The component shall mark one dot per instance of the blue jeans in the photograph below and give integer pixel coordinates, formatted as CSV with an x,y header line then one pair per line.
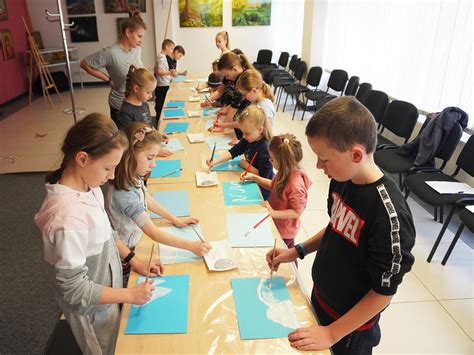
x,y
355,343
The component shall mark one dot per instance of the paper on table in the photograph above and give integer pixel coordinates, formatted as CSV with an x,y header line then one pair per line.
x,y
194,98
176,127
196,137
166,168
222,142
175,104
241,193
179,78
169,113
167,312
449,187
172,255
173,144
229,165
175,202
210,111
239,223
263,312
194,113
205,179
200,90
220,257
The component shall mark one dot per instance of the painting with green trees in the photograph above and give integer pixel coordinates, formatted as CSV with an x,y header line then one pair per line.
x,y
200,13
251,12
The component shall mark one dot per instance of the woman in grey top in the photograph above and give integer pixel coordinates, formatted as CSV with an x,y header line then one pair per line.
x,y
117,59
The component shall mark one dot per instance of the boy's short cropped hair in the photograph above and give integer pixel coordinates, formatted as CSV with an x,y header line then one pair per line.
x,y
179,49
344,122
214,80
167,42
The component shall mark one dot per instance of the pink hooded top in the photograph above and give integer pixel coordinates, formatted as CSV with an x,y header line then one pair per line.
x,y
294,196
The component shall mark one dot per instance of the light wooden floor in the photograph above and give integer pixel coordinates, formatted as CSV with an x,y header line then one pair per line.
x,y
433,312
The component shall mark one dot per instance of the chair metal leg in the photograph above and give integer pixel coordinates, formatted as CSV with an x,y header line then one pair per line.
x,y
284,105
453,243
441,233
441,210
294,110
435,214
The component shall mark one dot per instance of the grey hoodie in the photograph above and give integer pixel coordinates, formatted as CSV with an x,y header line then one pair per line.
x,y
79,245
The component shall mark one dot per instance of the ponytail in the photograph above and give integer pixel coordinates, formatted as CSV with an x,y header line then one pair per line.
x,y
54,176
140,77
133,22
230,59
256,117
252,79
128,85
289,153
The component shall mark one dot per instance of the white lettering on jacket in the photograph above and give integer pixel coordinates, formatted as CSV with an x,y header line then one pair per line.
x,y
344,220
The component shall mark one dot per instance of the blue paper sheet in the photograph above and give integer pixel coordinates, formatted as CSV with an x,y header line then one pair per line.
x,y
230,165
175,104
222,142
166,168
172,255
241,193
173,113
167,312
173,127
263,312
179,78
209,124
240,223
175,202
210,111
173,144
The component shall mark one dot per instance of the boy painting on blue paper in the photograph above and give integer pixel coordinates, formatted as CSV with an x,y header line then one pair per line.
x,y
127,198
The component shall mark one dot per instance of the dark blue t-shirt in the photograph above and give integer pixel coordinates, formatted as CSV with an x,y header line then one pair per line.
x,y
261,162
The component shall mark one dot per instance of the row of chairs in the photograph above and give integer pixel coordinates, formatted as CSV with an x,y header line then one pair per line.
x,y
397,117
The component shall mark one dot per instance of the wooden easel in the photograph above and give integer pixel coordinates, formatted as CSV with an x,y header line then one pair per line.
x,y
47,81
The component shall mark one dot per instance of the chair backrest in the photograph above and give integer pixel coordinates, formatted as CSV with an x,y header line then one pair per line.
x,y
351,86
377,102
301,70
449,144
293,62
337,80
264,56
400,118
363,92
465,160
283,60
314,76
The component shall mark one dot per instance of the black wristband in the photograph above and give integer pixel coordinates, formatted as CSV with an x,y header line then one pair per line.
x,y
300,250
129,257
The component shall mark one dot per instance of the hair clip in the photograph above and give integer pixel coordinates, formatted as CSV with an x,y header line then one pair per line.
x,y
286,141
141,133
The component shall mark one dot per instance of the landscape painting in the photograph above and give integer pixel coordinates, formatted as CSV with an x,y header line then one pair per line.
x,y
251,12
200,13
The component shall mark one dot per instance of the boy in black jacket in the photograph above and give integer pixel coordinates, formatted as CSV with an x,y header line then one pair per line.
x,y
365,249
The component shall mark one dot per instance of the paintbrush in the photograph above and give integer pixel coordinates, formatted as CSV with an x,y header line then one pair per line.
x,y
256,225
273,257
172,172
149,263
195,231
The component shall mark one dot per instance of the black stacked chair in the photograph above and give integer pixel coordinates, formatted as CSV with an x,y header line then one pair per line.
x,y
281,65
350,90
377,102
391,161
400,118
264,57
416,183
286,78
337,82
295,90
467,220
363,92
300,72
278,73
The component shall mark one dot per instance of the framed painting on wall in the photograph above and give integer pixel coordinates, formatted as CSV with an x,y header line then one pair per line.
x,y
200,13
7,44
84,29
251,12
3,11
80,7
118,6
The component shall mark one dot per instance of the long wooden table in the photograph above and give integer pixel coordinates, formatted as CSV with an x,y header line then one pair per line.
x,y
212,320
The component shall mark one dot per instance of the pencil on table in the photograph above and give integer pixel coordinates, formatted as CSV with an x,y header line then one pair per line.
x,y
172,172
195,231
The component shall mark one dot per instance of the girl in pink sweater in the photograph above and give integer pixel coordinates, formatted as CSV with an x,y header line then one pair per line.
x,y
289,187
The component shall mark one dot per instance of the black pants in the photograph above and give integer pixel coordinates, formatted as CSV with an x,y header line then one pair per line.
x,y
355,343
160,96
114,114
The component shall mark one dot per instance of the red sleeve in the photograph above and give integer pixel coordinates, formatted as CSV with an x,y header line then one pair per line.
x,y
297,194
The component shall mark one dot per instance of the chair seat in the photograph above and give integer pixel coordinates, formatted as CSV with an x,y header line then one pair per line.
x,y
392,162
283,81
467,217
295,88
382,140
315,95
417,184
